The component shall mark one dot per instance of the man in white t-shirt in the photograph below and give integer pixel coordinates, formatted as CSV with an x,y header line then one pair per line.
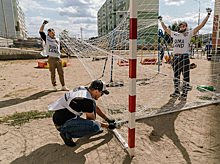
x,y
181,50
52,49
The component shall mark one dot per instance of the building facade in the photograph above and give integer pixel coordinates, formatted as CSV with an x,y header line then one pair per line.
x,y
12,20
113,11
216,29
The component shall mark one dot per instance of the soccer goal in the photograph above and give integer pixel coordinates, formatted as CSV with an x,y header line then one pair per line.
x,y
139,90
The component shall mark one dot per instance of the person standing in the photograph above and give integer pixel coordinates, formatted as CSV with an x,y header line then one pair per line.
x,y
69,108
208,49
181,47
52,49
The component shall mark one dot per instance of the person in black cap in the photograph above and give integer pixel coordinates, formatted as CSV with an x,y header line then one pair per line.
x,y
181,50
52,49
69,108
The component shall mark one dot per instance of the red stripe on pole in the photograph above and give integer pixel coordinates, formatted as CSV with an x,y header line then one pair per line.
x,y
133,28
132,68
132,103
131,137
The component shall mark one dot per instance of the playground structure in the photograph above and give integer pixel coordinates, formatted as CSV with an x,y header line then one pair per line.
x,y
148,61
45,64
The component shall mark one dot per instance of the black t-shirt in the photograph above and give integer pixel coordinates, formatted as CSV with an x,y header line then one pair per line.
x,y
79,105
43,36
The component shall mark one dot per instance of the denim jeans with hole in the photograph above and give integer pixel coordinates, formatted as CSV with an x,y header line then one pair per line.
x,y
79,127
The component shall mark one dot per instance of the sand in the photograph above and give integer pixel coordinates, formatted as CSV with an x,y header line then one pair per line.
x,y
191,136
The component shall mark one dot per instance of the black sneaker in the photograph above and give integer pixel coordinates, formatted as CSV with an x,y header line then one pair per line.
x,y
68,142
183,97
175,94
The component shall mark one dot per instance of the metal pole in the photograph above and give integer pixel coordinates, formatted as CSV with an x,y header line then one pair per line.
x,y
197,39
132,76
3,11
81,33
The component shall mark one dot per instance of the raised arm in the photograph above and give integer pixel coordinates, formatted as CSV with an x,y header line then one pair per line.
x,y
203,22
164,26
42,26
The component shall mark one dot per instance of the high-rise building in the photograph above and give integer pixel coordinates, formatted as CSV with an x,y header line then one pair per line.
x,y
113,11
216,28
12,20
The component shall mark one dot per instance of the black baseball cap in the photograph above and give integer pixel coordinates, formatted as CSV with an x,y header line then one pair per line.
x,y
99,85
50,29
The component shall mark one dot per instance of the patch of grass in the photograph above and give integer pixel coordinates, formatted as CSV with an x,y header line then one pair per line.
x,y
1,134
7,95
114,111
24,117
204,98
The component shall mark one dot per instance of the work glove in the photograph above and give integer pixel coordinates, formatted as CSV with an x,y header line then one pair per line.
x,y
112,126
109,120
209,10
45,22
160,18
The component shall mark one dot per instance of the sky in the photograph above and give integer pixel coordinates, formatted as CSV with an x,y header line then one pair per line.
x,y
71,15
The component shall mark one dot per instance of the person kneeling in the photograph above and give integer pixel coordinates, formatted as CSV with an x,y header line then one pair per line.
x,y
69,108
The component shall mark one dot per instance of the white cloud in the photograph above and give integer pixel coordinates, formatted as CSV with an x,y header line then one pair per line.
x,y
34,6
56,1
174,2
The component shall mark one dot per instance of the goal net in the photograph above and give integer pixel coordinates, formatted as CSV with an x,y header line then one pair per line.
x,y
107,58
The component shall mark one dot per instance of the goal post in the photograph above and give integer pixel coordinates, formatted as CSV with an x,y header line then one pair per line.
x,y
132,75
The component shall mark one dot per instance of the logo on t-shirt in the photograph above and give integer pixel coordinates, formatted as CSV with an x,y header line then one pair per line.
x,y
53,49
179,43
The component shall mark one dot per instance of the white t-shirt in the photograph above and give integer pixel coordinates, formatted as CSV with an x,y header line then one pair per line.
x,y
181,41
52,47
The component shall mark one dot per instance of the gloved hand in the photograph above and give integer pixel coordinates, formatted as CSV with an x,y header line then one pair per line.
x,y
160,18
109,120
112,126
209,10
67,54
45,22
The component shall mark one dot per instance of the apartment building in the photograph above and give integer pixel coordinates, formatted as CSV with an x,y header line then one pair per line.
x,y
12,20
112,12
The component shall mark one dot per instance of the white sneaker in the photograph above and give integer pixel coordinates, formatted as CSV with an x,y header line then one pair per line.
x,y
54,88
64,88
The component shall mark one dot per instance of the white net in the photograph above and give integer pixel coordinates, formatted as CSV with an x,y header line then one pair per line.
x,y
106,58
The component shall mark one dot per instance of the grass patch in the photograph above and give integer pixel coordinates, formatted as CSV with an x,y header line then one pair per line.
x,y
24,117
204,98
114,111
7,95
1,134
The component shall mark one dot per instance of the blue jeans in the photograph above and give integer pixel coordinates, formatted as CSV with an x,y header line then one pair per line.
x,y
79,127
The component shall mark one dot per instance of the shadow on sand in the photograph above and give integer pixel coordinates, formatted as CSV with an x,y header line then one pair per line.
x,y
16,101
55,153
164,125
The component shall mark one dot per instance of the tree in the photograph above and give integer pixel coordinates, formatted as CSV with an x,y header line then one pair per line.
x,y
173,27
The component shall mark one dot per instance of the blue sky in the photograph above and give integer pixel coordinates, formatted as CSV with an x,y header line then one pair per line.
x,y
73,14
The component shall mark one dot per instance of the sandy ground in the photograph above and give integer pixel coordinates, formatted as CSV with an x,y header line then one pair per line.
x,y
191,136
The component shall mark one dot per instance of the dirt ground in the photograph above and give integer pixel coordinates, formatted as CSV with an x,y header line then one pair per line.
x,y
191,136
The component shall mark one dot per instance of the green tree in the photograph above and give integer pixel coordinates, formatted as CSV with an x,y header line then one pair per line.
x,y
173,27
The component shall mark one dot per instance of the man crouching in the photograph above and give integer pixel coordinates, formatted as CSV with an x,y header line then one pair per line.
x,y
69,108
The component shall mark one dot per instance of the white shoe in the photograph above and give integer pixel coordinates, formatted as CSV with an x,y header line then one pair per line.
x,y
54,88
64,88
